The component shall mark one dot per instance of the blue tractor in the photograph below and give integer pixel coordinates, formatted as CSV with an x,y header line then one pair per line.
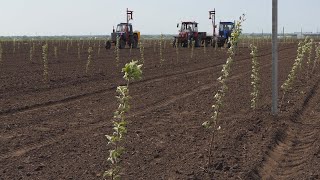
x,y
225,30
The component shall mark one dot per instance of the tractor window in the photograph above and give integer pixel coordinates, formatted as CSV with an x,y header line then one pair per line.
x,y
195,28
122,28
189,27
226,27
184,27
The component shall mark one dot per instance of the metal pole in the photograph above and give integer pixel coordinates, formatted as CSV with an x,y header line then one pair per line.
x,y
274,57
214,22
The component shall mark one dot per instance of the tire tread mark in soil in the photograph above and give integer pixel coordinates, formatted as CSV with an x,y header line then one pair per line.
x,y
293,148
81,96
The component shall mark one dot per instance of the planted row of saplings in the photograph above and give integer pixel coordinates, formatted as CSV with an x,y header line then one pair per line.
x,y
133,71
305,52
46,75
65,47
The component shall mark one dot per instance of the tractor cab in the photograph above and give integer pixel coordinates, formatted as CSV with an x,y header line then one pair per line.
x,y
189,27
225,29
188,32
124,34
122,27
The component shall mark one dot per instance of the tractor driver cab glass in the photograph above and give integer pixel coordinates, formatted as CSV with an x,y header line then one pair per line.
x,y
225,27
123,28
189,28
221,27
195,28
183,27
229,27
120,28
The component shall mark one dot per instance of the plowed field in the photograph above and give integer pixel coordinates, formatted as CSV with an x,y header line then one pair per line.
x,y
55,130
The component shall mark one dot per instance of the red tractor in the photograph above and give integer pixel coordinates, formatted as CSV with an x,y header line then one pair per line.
x,y
189,33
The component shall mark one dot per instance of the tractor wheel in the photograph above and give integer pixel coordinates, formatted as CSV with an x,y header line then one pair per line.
x,y
122,44
108,45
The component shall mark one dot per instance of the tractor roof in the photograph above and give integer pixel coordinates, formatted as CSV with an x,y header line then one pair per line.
x,y
189,22
124,24
227,23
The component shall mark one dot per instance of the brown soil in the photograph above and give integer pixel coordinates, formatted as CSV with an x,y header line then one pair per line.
x,y
56,130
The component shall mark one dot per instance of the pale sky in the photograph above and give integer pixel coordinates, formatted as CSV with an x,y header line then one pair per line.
x,y
97,17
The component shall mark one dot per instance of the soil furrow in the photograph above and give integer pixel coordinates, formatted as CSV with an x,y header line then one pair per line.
x,y
291,154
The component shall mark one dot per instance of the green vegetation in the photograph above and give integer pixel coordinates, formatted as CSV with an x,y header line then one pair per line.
x,y
213,123
90,50
45,62
117,51
56,52
254,77
302,48
317,58
160,49
132,71
141,47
